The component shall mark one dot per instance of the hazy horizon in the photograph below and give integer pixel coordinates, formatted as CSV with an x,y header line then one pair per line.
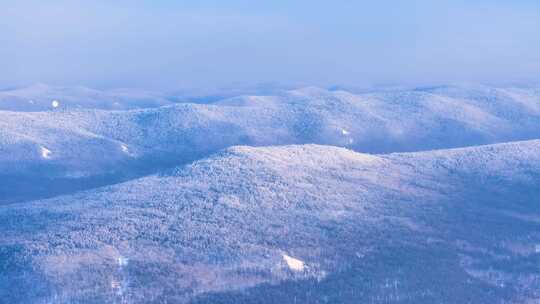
x,y
207,44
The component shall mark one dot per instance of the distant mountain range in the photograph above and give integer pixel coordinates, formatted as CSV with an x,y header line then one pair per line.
x,y
94,138
39,97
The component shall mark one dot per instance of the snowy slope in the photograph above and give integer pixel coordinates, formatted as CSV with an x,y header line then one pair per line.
x,y
68,149
315,223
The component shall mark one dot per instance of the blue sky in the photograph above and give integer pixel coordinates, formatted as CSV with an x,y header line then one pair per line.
x,y
203,44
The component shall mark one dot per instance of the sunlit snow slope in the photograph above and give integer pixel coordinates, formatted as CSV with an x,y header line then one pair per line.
x,y
67,148
317,224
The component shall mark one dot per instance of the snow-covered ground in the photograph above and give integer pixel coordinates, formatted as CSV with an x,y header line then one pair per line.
x,y
316,224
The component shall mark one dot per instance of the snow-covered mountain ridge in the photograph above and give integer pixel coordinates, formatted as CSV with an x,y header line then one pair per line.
x,y
62,144
281,221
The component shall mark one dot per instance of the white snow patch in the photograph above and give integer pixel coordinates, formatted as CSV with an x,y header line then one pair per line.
x,y
231,201
122,261
294,264
124,148
55,103
347,134
45,153
117,286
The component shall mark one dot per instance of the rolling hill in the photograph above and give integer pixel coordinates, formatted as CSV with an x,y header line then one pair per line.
x,y
66,149
312,223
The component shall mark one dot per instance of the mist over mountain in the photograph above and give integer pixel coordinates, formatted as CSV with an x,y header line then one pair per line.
x,y
40,97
